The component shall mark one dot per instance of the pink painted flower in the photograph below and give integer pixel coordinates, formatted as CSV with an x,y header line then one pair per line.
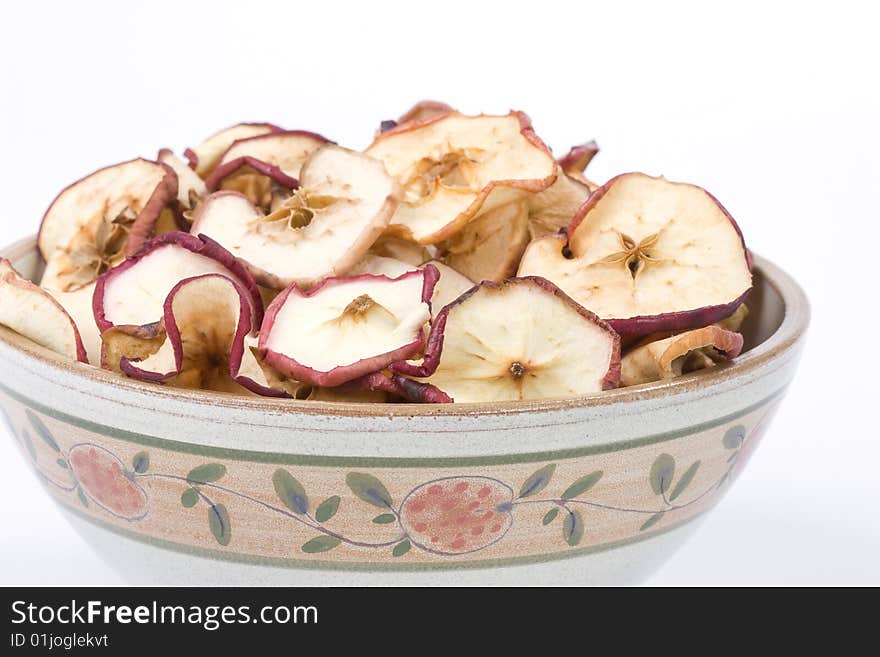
x,y
457,515
104,479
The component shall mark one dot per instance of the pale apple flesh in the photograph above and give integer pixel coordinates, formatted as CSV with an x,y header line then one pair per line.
x,y
423,110
648,255
78,305
344,203
453,167
346,328
552,210
679,354
523,339
191,190
34,313
399,249
97,221
489,248
204,157
134,293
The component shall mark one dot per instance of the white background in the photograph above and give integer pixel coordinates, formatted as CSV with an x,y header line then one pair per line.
x,y
773,108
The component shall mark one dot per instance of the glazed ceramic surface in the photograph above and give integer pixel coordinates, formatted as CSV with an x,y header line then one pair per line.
x,y
173,486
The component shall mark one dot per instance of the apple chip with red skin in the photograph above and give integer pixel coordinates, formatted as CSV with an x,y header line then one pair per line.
x,y
679,354
450,284
35,314
97,221
575,162
200,342
346,328
523,339
133,294
191,191
453,167
648,255
204,157
421,111
342,206
265,168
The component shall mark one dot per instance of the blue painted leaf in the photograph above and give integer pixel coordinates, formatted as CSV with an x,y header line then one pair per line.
x,y
321,544
218,521
290,491
369,489
189,498
538,481
327,509
42,430
550,516
573,528
206,473
140,462
62,464
401,548
662,473
29,445
653,520
685,480
385,519
82,497
582,485
734,437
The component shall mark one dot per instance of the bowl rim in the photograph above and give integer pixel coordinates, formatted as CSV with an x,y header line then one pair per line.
x,y
796,317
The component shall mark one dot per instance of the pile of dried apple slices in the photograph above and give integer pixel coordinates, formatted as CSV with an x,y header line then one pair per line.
x,y
455,259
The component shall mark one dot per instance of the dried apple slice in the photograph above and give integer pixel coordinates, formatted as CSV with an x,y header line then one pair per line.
x,y
203,329
679,354
191,190
78,305
133,294
575,162
34,313
421,111
552,210
204,157
265,168
489,248
450,285
99,220
409,252
648,255
523,339
343,204
453,167
346,328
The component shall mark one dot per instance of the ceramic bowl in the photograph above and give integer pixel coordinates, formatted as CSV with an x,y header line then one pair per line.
x,y
181,487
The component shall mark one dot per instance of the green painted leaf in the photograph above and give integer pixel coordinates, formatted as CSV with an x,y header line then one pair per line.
x,y
573,528
734,437
686,479
385,519
653,520
582,485
140,462
662,473
550,516
218,521
401,548
290,491
321,544
82,497
327,509
62,464
538,481
189,498
29,445
369,489
206,473
42,430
